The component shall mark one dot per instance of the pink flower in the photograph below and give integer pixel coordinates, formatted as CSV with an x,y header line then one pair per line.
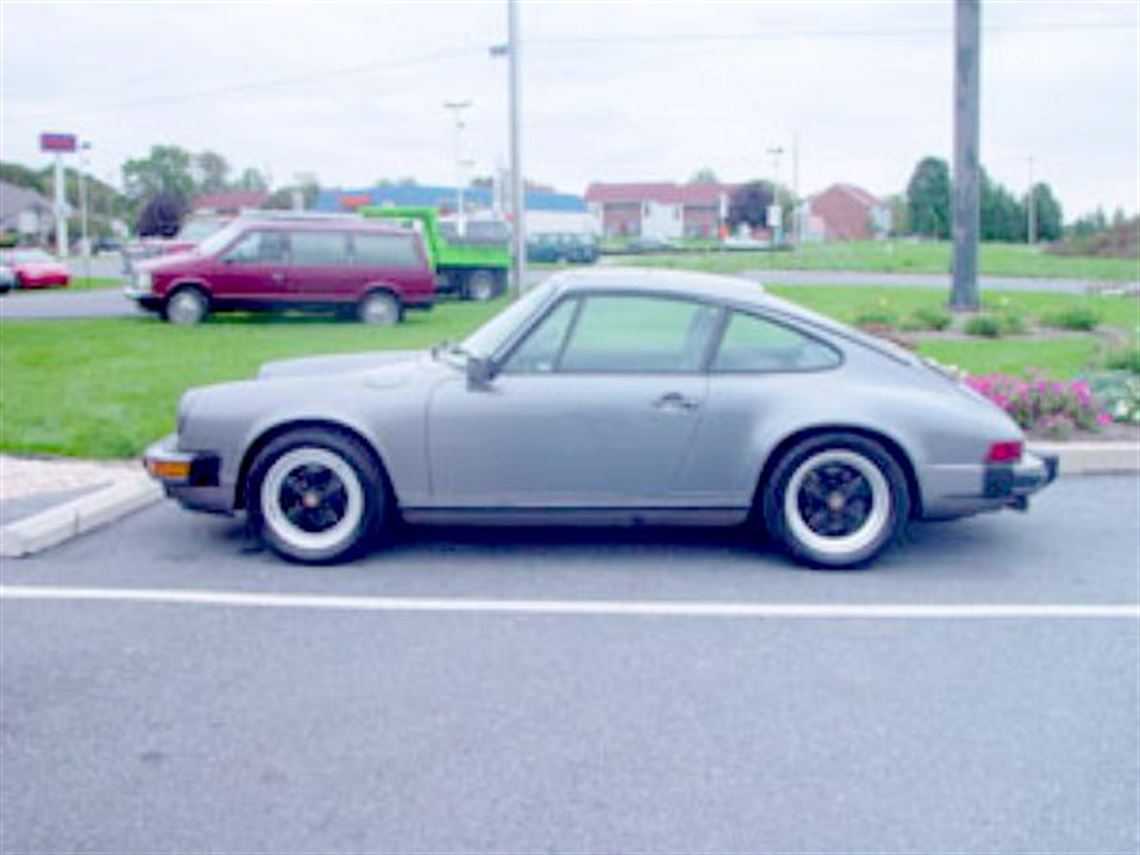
x,y
1103,419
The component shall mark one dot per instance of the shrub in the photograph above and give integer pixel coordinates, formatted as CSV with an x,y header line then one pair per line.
x,y
876,318
1013,323
1053,407
986,326
1080,318
928,318
1119,393
1124,359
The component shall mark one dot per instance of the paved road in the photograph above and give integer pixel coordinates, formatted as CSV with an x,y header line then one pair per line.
x,y
147,727
110,303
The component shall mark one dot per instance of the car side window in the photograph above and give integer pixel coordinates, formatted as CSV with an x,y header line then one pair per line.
x,y
258,247
538,352
319,249
755,344
386,251
635,333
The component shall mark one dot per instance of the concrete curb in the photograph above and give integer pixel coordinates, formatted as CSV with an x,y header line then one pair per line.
x,y
63,522
1093,458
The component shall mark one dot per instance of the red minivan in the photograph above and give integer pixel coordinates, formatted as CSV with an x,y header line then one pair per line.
x,y
298,262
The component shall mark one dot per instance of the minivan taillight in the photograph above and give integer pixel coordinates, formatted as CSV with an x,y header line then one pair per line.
x,y
1005,452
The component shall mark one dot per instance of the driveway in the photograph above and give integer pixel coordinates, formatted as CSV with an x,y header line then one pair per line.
x,y
165,689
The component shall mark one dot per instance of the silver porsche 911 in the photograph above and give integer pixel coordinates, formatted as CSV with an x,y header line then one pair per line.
x,y
602,396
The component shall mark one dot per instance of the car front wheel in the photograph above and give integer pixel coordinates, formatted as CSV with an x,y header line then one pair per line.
x,y
186,307
315,496
379,308
836,500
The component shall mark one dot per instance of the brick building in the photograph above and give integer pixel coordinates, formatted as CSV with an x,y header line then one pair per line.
x,y
658,209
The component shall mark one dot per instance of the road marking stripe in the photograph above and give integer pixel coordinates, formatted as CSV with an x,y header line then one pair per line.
x,y
648,608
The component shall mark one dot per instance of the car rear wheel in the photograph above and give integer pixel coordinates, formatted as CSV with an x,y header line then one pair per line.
x,y
316,496
186,307
836,500
482,285
380,308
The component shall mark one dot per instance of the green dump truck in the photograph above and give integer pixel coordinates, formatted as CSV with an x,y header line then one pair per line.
x,y
472,266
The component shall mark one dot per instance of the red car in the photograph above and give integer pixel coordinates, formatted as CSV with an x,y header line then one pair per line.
x,y
193,231
34,268
299,262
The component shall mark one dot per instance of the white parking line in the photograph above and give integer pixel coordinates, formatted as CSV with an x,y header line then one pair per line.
x,y
629,608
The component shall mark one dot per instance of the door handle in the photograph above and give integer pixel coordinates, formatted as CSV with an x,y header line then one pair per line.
x,y
675,400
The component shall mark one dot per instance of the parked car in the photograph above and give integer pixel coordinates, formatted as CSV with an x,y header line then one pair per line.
x,y
624,395
105,243
7,279
559,247
34,268
195,230
256,263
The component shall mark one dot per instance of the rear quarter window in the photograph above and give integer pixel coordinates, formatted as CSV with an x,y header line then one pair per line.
x,y
387,251
755,344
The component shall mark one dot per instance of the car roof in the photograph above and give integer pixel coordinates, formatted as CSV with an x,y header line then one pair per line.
x,y
687,283
331,224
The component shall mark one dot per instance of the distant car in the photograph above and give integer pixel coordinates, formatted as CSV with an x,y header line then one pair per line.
x,y
7,279
647,243
372,268
106,244
34,268
558,247
195,230
621,395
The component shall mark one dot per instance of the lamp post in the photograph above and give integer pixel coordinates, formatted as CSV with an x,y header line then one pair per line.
x,y
457,108
84,147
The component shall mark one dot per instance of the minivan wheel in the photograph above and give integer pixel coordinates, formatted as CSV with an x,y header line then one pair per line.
x,y
380,308
836,500
186,307
315,496
481,286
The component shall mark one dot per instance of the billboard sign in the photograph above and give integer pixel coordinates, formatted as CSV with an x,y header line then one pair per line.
x,y
58,142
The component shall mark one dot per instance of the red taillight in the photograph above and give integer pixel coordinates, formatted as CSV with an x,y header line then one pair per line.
x,y
1005,452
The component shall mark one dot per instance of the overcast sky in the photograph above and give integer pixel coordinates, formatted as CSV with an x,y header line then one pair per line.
x,y
612,91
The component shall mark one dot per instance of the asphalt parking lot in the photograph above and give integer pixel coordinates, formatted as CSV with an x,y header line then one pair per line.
x,y
579,690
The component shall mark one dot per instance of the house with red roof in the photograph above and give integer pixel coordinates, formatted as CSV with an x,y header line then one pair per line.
x,y
229,201
846,212
659,209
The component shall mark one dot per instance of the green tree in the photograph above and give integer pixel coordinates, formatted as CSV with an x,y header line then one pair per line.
x,y
21,176
749,204
212,172
1047,211
704,175
166,169
900,216
251,179
1002,215
928,198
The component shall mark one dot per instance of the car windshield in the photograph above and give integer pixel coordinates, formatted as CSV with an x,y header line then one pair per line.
x,y
197,230
486,340
219,240
25,256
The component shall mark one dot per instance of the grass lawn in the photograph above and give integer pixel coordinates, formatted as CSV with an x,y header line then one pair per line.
x,y
900,256
107,387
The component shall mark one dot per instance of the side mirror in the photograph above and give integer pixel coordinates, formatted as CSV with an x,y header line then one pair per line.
x,y
479,372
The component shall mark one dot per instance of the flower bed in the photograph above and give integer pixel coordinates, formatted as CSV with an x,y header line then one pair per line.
x,y
1051,408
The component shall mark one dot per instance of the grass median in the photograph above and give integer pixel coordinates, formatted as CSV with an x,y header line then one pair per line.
x,y
900,256
107,387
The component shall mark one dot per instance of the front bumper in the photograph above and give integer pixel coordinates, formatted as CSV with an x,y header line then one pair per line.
x,y
191,477
145,298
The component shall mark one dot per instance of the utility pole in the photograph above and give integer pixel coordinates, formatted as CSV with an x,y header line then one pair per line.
x,y
457,108
1031,205
796,187
60,210
967,87
776,210
518,203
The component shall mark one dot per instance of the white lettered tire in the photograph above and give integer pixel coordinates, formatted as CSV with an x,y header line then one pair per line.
x,y
186,306
316,496
380,308
836,500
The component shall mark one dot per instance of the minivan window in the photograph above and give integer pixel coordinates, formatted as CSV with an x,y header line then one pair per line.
x,y
258,247
319,249
375,250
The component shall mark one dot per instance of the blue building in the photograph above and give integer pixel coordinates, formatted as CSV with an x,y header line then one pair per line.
x,y
443,198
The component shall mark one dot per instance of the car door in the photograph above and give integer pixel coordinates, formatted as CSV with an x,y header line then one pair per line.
x,y
595,408
252,269
763,370
320,268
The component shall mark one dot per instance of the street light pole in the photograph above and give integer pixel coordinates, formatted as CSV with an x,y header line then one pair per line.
x,y
457,108
518,204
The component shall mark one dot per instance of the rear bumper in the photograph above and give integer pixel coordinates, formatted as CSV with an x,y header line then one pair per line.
x,y
191,477
953,490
